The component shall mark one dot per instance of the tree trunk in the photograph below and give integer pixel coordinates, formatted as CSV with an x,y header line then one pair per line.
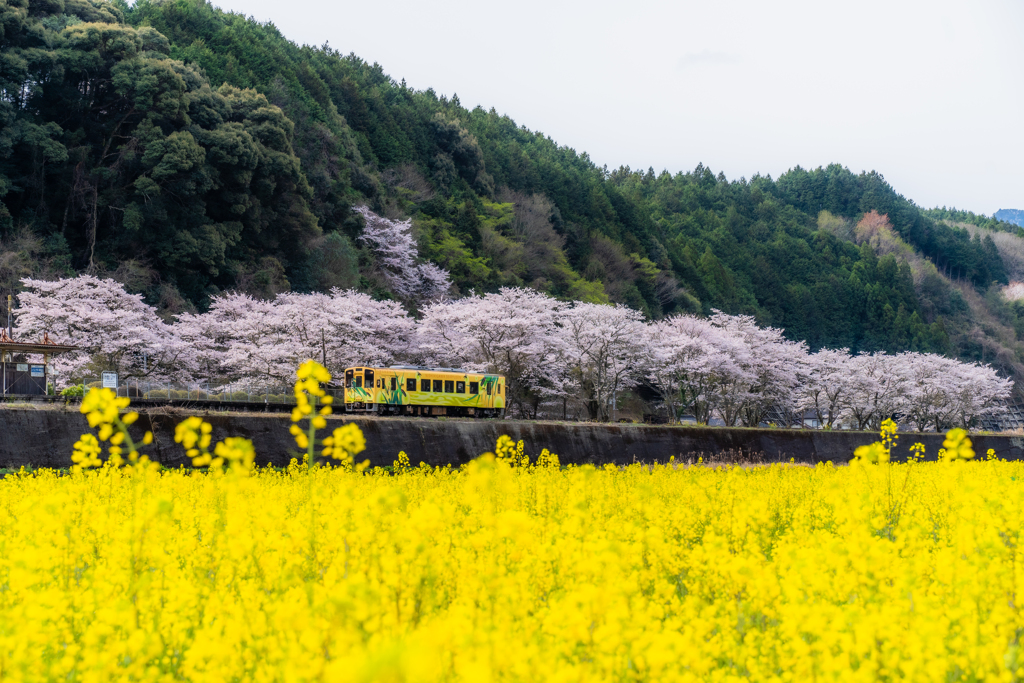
x,y
92,226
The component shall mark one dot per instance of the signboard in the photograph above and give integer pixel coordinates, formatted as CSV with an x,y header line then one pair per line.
x,y
110,380
39,371
22,367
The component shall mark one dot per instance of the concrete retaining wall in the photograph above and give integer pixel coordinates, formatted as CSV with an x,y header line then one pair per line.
x,y
44,438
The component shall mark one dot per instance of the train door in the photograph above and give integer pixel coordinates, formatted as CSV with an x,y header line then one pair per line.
x,y
369,382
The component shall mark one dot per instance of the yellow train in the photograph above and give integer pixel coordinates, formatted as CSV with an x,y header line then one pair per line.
x,y
414,390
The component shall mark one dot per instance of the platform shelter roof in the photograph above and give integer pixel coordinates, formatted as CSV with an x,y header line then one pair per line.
x,y
46,347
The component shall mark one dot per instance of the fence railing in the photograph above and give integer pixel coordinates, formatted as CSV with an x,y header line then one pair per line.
x,y
230,393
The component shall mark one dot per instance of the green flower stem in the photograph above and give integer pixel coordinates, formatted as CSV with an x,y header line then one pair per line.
x,y
311,446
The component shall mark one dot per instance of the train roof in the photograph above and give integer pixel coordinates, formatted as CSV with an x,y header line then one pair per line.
x,y
426,368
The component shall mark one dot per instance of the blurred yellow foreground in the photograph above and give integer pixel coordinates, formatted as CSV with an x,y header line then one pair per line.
x,y
501,571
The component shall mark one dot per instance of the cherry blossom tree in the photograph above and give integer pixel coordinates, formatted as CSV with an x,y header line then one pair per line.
x,y
261,342
240,338
114,330
827,385
876,387
977,391
396,254
346,328
924,388
1014,291
509,332
599,351
771,365
941,392
690,360
724,365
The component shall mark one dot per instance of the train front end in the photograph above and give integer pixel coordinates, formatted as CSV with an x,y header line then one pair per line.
x,y
360,390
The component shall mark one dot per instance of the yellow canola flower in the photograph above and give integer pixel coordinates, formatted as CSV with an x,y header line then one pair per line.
x,y
311,370
873,453
492,572
917,451
237,451
102,406
86,452
505,570
308,394
401,464
106,431
345,442
957,446
505,448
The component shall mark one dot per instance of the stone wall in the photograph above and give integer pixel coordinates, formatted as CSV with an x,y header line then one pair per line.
x,y
44,438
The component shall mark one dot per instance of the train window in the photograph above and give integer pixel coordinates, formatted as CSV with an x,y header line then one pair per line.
x,y
368,373
449,386
394,383
474,388
499,390
348,379
359,382
488,386
437,385
410,385
460,387
425,385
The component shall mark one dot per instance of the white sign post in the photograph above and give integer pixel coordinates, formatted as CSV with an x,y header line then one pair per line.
x,y
110,380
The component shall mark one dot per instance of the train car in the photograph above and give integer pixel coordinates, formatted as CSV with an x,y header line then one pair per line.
x,y
414,390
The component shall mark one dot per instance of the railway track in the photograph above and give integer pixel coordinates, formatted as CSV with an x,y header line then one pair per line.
x,y
194,405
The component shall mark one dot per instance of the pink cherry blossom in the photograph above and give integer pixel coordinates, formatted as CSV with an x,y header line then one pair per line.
x,y
396,257
598,351
551,352
509,332
115,331
241,338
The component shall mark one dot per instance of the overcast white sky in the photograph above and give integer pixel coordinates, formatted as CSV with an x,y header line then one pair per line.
x,y
930,94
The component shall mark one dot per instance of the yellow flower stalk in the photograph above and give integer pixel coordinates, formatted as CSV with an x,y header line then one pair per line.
x,y
957,446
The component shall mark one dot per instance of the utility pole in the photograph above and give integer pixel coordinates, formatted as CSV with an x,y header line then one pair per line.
x,y
3,356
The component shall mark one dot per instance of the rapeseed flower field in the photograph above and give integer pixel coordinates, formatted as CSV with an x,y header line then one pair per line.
x,y
509,569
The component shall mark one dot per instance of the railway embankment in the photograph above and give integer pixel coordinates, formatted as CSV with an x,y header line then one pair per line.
x,y
44,437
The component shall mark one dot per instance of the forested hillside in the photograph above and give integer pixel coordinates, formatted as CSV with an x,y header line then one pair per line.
x,y
188,152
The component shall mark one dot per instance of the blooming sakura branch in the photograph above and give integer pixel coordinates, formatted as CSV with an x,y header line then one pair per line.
x,y
560,359
396,256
